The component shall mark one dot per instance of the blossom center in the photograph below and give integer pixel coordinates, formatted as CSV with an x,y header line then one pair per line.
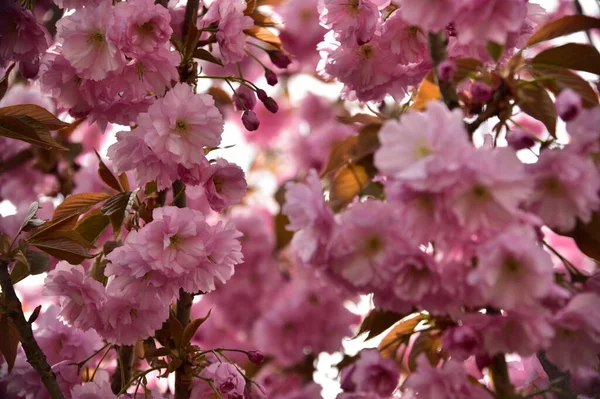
x,y
511,265
480,191
365,52
95,38
146,27
373,245
423,151
181,127
352,6
552,185
175,241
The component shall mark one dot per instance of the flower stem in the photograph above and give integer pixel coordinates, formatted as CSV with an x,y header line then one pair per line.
x,y
124,367
437,49
35,356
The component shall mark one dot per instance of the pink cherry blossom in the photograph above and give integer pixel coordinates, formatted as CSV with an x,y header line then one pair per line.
x,y
489,20
93,390
309,216
86,43
131,310
357,18
80,297
229,14
431,15
371,373
577,339
179,125
408,42
421,143
567,187
226,379
486,199
141,26
224,183
448,381
513,269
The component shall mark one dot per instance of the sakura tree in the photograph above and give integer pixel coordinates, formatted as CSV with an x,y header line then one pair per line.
x,y
199,197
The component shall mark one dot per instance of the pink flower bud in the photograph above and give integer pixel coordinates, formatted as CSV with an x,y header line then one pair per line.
x,y
481,92
29,69
256,357
568,105
271,77
446,70
261,94
271,105
519,140
250,121
244,98
279,59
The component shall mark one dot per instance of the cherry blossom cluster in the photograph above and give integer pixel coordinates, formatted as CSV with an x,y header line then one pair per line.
x,y
375,53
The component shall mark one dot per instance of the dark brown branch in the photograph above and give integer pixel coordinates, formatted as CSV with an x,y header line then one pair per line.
x,y
562,379
184,309
500,378
34,354
122,375
437,50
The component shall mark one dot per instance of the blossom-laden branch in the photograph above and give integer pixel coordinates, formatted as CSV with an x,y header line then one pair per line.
x,y
35,355
437,50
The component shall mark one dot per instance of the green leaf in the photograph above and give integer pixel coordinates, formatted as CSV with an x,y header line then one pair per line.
x,y
38,262
20,269
79,203
495,50
535,101
206,55
33,208
9,340
561,27
377,321
577,56
91,226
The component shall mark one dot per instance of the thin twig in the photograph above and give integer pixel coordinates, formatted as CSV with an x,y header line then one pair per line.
x,y
437,50
35,356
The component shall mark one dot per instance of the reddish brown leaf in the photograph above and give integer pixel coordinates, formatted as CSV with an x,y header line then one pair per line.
x,y
562,27
265,35
9,340
535,101
79,203
35,112
405,327
107,176
577,56
377,321
63,248
191,328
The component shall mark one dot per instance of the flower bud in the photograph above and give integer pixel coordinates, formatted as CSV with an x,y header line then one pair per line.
x,y
271,105
279,59
481,92
261,94
250,120
568,105
271,77
256,357
519,140
446,70
243,98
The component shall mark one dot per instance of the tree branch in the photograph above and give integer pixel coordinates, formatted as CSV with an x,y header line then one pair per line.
x,y
184,308
437,50
124,367
16,160
562,378
34,354
500,378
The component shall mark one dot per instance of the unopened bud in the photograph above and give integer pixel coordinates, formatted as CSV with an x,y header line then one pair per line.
x,y
250,120
271,77
568,105
481,92
256,357
519,140
271,105
446,70
261,94
279,59
243,98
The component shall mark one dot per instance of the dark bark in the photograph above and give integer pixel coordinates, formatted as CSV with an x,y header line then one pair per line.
x,y
34,354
